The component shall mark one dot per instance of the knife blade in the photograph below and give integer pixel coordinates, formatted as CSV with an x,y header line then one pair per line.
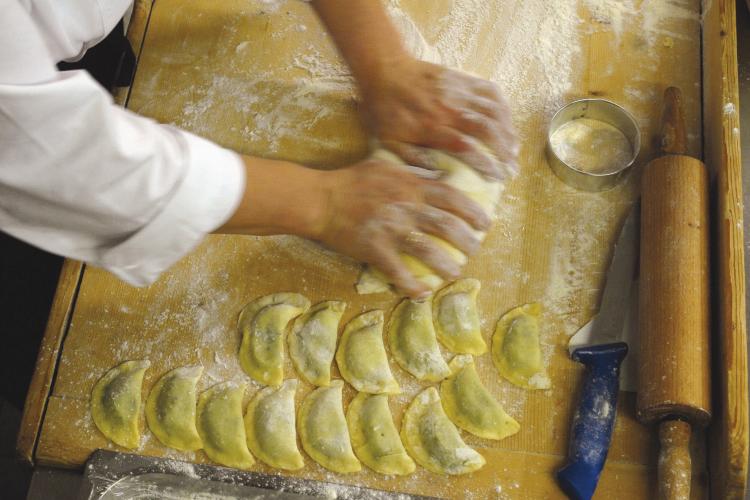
x,y
601,346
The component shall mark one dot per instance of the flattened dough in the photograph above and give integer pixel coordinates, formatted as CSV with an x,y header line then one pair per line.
x,y
323,431
263,323
312,341
470,406
170,409
220,425
374,436
270,427
515,348
361,355
456,317
433,441
411,338
458,175
116,403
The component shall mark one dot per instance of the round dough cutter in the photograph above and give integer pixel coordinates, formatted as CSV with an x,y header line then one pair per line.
x,y
611,118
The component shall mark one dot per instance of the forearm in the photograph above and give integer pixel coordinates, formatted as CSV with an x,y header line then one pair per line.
x,y
280,198
365,36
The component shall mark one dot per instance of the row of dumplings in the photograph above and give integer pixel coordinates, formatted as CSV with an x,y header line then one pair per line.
x,y
269,429
413,331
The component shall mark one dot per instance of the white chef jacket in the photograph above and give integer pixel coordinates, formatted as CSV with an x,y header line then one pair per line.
x,y
84,178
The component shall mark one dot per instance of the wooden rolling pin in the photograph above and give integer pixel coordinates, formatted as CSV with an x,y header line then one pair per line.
x,y
674,358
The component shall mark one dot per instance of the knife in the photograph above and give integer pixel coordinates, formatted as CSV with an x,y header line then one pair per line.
x,y
601,346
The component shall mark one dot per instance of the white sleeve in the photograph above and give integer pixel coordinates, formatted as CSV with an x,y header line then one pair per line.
x,y
70,27
84,178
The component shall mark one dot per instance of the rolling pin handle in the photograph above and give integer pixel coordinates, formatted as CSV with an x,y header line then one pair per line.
x,y
675,464
673,136
594,419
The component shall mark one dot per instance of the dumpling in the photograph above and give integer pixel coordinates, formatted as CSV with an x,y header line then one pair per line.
x,y
374,437
456,317
170,409
411,337
470,406
515,348
433,441
456,174
361,355
270,427
263,323
116,403
312,341
220,425
323,431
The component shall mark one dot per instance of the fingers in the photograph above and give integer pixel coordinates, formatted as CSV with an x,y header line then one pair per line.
x,y
447,227
390,263
448,139
498,138
411,154
427,250
451,200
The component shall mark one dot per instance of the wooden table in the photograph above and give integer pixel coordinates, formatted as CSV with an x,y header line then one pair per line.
x,y
265,79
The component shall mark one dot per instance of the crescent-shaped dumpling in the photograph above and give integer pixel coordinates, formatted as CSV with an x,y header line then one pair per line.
x,y
116,403
312,341
433,441
470,406
170,409
374,436
411,338
323,431
456,317
220,425
515,348
361,356
270,427
262,324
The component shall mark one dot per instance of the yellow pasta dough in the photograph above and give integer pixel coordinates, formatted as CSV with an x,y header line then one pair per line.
x,y
411,338
361,356
220,425
263,323
323,431
312,341
470,406
170,409
456,317
456,174
515,348
433,441
270,427
374,436
116,403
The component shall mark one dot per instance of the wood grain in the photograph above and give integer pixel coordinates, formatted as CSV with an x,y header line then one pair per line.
x,y
674,374
46,362
729,434
202,62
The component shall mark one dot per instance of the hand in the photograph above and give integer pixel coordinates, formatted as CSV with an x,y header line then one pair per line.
x,y
375,211
411,104
372,211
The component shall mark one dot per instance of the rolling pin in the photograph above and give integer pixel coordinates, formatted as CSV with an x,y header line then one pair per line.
x,y
674,363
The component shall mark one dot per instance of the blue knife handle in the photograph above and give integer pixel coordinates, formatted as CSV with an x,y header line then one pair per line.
x,y
594,420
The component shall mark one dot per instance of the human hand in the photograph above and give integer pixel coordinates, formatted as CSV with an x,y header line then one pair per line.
x,y
375,211
411,105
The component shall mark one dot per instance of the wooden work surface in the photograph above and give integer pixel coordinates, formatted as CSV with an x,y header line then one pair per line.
x,y
264,79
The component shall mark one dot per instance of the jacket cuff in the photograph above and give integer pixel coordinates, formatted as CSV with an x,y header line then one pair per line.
x,y
205,199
